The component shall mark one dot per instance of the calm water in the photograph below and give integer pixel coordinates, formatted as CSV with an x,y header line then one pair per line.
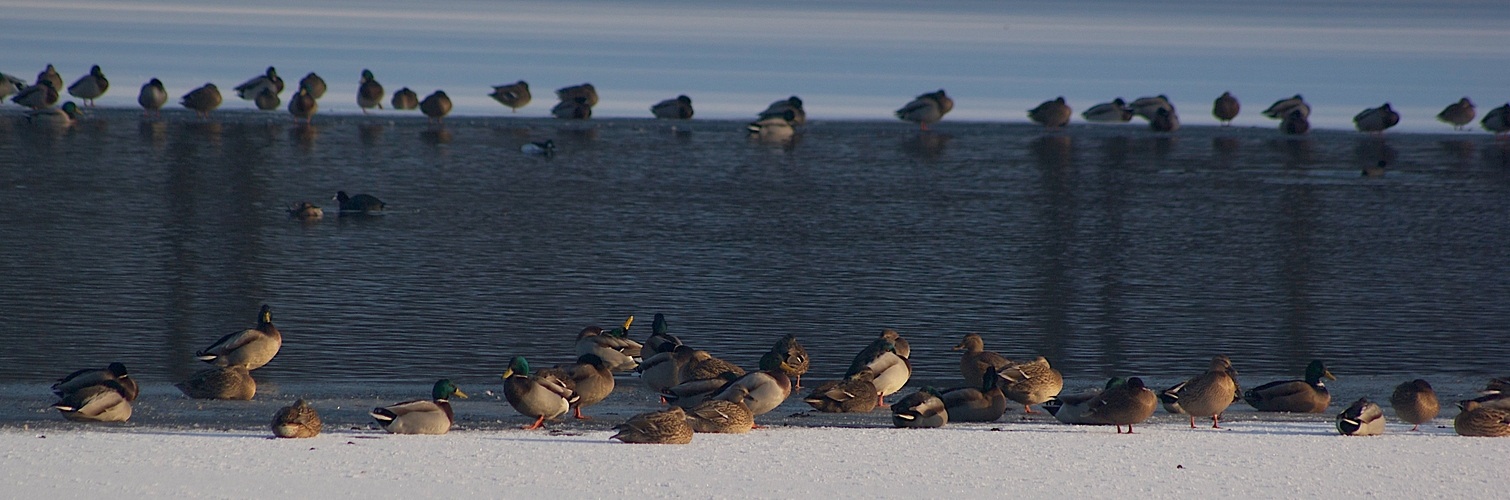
x,y
1106,249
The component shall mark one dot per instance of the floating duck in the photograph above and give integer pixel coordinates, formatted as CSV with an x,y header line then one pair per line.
x,y
779,109
361,203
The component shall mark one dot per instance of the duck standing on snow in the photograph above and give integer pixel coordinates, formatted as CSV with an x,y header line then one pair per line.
x,y
1208,394
152,96
1363,418
1497,120
661,340
421,416
39,96
514,95
91,86
1127,403
251,348
546,394
1283,107
664,370
926,109
1030,383
592,381
1459,114
1415,402
668,426
1074,409
303,106
1225,108
298,420
773,129
65,116
436,106
1148,107
1295,396
267,100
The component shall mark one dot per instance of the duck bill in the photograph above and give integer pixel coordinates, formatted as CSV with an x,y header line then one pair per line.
x,y
1328,375
460,394
508,373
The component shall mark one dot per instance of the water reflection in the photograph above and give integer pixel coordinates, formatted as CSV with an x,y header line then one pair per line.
x,y
203,131
1296,152
1370,150
155,132
436,136
304,136
371,134
926,145
1052,152
1225,149
1459,149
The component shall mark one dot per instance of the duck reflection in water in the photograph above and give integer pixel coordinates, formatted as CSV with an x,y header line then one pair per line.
x,y
1052,150
370,133
304,135
926,145
436,136
1373,149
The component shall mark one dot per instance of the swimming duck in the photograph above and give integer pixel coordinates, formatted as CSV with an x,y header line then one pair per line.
x,y
1497,120
975,360
1051,114
39,96
575,108
303,106
853,394
1376,120
691,392
721,416
773,129
779,109
926,109
1109,112
421,416
1209,394
1225,108
152,96
661,340
93,85
1477,420
227,382
405,99
546,148
107,401
668,426
1295,123
514,95
369,92
202,100
305,211
1415,402
761,391
1459,114
1128,403
81,379
543,395
921,409
268,80
1148,107
1164,120
267,100
664,370
313,84
250,348
791,356
592,381
1283,107
1295,396
1362,418
621,353
1031,383
679,108
65,116
980,403
1074,409
586,92
436,106
298,420
361,203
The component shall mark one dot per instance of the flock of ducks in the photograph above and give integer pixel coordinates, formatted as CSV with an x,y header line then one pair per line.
x,y
576,102
705,394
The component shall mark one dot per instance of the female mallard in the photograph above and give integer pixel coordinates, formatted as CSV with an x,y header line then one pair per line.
x,y
761,391
268,80
267,100
65,116
691,392
421,416
436,106
361,203
592,381
1074,409
298,420
1225,108
927,109
514,95
1363,418
369,92
921,409
721,417
1295,123
1295,396
1477,420
1415,402
976,359
229,382
854,394
1459,114
303,105
790,354
1031,383
305,211
663,371
9,84
541,395
1109,112
249,348
1164,121
586,92
202,100
788,110
661,340
621,353
982,403
1122,404
313,84
107,401
81,379
679,108
1210,393
886,356
668,426
1376,120
1052,114
39,96
152,96
93,85
405,99
704,365
50,75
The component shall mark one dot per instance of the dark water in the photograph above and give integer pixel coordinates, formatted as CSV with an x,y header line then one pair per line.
x,y
1106,249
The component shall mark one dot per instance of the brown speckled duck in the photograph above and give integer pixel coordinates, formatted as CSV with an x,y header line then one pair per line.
x,y
1030,383
721,417
667,426
976,359
298,420
1208,394
1415,402
228,382
1479,421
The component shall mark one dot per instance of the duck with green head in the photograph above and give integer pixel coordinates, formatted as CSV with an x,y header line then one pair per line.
x,y
106,401
81,379
887,357
663,371
1295,396
1074,409
251,348
614,346
661,340
421,416
1363,418
543,395
369,92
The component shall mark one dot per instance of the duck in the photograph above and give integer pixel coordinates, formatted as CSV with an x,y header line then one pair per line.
x,y
664,370
1051,114
65,116
361,203
1497,385
107,401
1225,108
152,96
779,109
1164,120
202,100
705,365
369,92
298,420
1458,114
227,382
543,395
546,148
1282,107
313,84
1480,421
1295,123
50,75
306,211
926,109
39,96
1208,394
884,357
679,108
93,85
791,356
1376,120
920,410
1115,111
267,100
853,394
1415,402
303,105
1030,383
1295,396
575,108
80,379
436,106
976,360
10,85
1494,399
661,340
267,81
421,416
1148,107
1170,398
1497,120
691,392
251,348
1362,418
721,417
586,92
773,129
980,403
405,100
592,381
1127,403
621,353
514,95
1074,409
761,391
668,426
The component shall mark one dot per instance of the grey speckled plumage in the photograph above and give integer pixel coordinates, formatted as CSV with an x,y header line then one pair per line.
x,y
514,95
251,348
854,394
1031,383
103,402
975,359
298,420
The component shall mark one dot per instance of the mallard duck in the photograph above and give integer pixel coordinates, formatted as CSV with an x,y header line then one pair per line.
x,y
1295,396
228,382
65,116
1499,385
152,96
421,416
369,92
1497,120
1295,123
1128,403
891,369
9,85
1148,107
313,84
81,379
93,85
661,340
921,409
50,75
779,109
789,354
575,108
268,80
250,348
361,203
1051,114
1494,399
1283,107
1209,394
514,95
1031,383
1363,418
679,108
668,426
543,395
303,105
773,129
39,96
202,100
305,211
1109,112
1376,120
889,341
586,92
1164,120
298,420
704,365
1459,114
436,106
1480,421
592,381
1225,108
267,100
621,353
976,359
1415,402
721,416
981,403
926,109
853,394
405,99
1074,409
761,391
664,370
691,392
1170,398
107,401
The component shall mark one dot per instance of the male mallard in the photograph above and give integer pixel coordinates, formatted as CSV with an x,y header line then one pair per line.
x,y
369,92
927,109
298,420
1209,394
65,116
405,99
1459,114
1376,120
1148,107
1295,123
1031,383
679,108
721,416
980,403
853,394
1128,403
586,92
250,348
313,84
664,370
921,409
791,356
1074,409
1497,385
1415,402
1109,112
421,416
9,84
107,401
1496,394
361,203
691,392
1480,421
1170,398
541,395
668,426
228,382
202,100
50,75
592,381
621,353
152,96
268,80
773,129
1283,107
303,105
1363,418
788,110
81,379
39,96
1295,396
436,106
1051,114
976,359
887,357
267,100
575,108
93,85
761,391
514,95
306,211
1225,108
1164,120
661,340
1497,120
704,365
